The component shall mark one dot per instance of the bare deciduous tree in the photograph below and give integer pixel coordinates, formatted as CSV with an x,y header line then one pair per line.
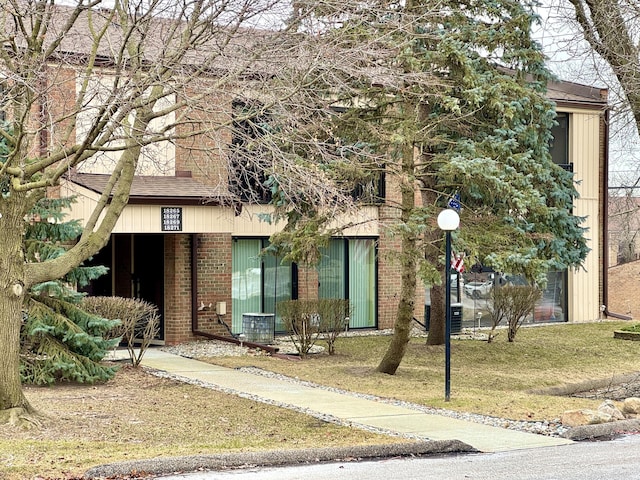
x,y
92,85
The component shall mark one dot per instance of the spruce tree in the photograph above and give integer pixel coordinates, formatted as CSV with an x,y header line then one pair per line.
x,y
59,340
451,98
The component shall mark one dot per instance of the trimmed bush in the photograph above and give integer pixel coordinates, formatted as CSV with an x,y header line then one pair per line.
x,y
513,303
139,321
307,320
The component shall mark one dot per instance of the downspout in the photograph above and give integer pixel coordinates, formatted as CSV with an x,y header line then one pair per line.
x,y
194,283
194,306
605,227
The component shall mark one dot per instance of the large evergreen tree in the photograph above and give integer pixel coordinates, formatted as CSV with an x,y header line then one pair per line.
x,y
450,98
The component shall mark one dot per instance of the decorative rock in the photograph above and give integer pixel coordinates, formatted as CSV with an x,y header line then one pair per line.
x,y
631,406
575,418
609,408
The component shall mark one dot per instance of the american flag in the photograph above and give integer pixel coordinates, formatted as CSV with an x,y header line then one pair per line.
x,y
457,262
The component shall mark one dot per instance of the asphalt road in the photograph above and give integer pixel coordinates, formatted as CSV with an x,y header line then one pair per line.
x,y
615,459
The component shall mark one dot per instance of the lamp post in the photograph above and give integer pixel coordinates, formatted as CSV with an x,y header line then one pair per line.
x,y
448,220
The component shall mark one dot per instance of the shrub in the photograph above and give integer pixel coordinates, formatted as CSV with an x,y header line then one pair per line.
x,y
512,303
632,328
334,319
306,320
139,321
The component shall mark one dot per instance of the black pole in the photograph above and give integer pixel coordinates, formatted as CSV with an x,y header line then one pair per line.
x,y
447,316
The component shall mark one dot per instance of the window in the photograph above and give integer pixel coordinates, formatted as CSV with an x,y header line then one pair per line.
x,y
475,298
348,270
157,158
552,307
559,147
247,175
258,282
372,189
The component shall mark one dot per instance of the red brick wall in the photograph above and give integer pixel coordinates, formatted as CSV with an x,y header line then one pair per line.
x,y
389,264
214,281
204,154
177,289
214,284
389,277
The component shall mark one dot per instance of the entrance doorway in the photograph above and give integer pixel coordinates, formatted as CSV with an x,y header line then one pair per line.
x,y
136,270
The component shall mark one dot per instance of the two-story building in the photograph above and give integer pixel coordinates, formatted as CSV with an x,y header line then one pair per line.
x,y
192,248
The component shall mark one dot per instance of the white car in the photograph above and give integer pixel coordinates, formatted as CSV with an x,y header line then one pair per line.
x,y
478,289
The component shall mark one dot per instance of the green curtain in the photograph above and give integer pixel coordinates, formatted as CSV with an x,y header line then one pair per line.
x,y
331,271
362,283
257,283
246,280
347,270
277,286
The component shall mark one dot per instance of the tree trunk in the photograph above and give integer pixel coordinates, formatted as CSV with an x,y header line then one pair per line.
x,y
434,252
402,328
408,256
437,320
14,407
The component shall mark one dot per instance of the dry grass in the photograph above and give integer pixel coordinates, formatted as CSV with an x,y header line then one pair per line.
x,y
493,379
140,416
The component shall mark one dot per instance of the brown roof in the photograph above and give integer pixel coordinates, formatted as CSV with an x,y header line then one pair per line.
x,y
227,49
222,48
159,189
570,93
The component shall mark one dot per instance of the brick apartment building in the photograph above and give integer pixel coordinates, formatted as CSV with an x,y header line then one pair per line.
x,y
191,251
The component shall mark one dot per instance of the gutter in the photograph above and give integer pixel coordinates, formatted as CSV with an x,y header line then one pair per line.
x,y
605,228
194,306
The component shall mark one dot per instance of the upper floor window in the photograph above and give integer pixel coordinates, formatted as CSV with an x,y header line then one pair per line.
x,y
158,153
559,147
248,165
373,190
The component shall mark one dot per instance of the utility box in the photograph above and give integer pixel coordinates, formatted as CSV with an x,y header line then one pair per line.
x,y
456,317
258,327
427,316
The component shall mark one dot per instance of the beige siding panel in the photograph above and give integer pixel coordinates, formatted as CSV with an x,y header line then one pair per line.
x,y
204,219
195,219
584,153
249,222
584,285
86,201
147,218
365,223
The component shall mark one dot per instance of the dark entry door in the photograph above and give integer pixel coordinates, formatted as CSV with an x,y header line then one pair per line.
x,y
147,271
136,270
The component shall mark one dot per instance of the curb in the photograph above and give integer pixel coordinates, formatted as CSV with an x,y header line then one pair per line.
x,y
225,461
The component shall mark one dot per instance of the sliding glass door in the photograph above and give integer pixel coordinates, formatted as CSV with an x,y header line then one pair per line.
x,y
258,281
348,270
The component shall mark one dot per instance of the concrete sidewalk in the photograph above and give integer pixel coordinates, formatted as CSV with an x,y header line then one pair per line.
x,y
350,409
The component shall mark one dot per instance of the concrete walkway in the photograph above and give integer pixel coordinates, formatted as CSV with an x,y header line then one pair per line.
x,y
351,409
